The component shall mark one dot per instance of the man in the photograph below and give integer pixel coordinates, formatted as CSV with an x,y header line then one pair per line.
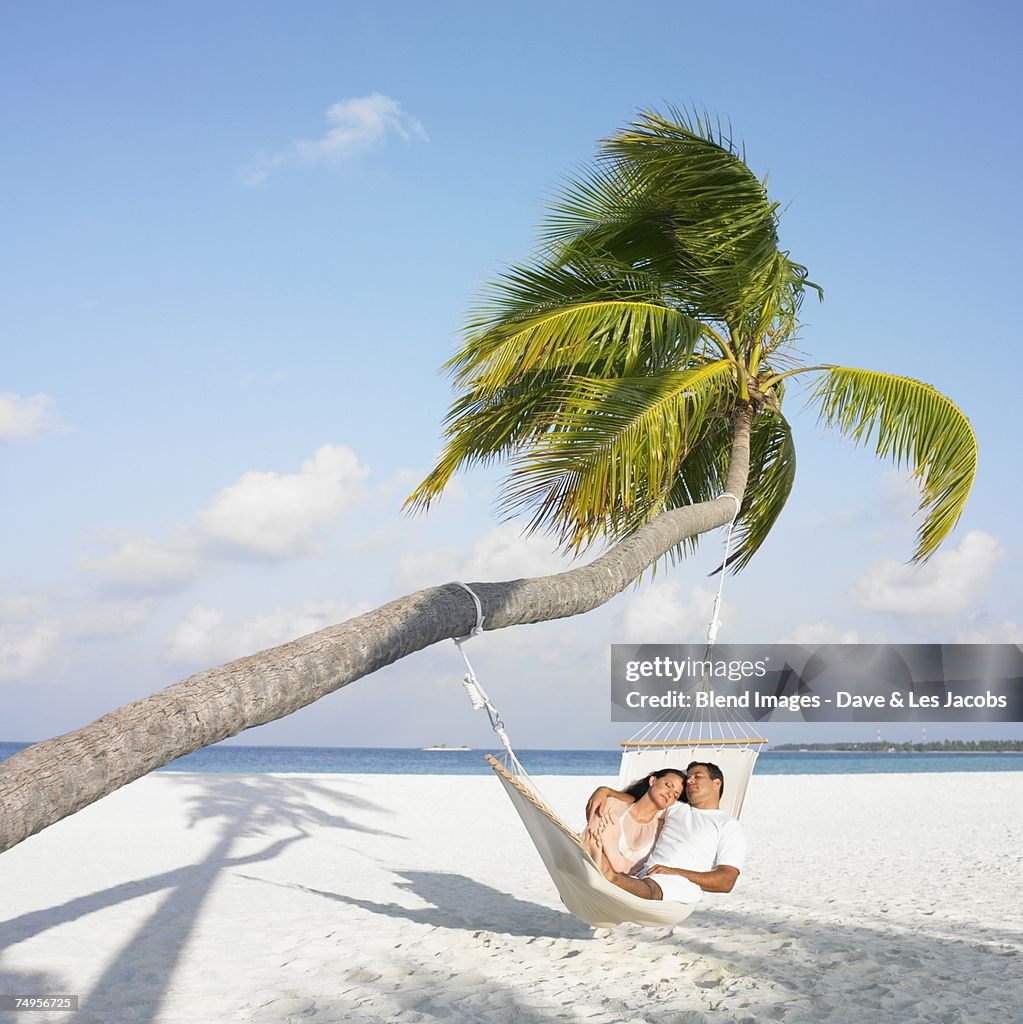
x,y
697,834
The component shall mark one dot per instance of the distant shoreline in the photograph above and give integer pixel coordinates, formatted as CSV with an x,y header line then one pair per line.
x,y
946,747
829,759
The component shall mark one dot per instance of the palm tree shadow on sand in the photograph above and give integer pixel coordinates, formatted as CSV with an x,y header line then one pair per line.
x,y
248,808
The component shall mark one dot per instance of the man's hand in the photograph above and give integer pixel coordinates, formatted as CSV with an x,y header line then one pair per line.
x,y
597,804
721,879
664,869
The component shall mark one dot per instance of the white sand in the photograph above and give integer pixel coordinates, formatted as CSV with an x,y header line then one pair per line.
x,y
274,898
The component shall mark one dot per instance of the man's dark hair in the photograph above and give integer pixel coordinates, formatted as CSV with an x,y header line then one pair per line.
x,y
712,770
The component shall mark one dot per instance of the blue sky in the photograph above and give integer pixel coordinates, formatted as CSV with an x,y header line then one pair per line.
x,y
242,238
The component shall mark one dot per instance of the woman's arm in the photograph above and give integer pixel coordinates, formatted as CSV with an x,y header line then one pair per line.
x,y
603,834
598,801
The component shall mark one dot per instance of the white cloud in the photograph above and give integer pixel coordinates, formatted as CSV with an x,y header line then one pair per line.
x,y
944,586
979,630
198,637
24,650
417,569
110,618
24,417
20,607
502,553
381,541
820,632
659,614
403,483
206,638
263,515
270,515
145,566
353,126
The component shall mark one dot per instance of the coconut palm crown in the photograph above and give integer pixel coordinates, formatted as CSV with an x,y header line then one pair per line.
x,y
609,370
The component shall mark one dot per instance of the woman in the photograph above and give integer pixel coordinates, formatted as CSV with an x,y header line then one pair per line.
x,y
623,836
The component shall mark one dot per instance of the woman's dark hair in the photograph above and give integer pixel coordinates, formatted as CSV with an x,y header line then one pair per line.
x,y
640,786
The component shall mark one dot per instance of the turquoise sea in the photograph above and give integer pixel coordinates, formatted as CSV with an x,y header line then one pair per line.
x,y
225,758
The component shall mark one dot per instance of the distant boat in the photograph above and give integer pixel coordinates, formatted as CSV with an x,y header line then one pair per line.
x,y
444,746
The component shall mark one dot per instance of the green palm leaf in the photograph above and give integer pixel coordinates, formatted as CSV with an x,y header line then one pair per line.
x,y
701,476
613,451
577,339
677,197
915,426
482,428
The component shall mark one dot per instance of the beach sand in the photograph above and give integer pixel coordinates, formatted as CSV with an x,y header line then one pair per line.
x,y
273,898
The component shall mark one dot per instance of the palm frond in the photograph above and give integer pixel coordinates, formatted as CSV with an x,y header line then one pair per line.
x,y
915,426
677,195
577,339
701,477
545,284
612,453
483,428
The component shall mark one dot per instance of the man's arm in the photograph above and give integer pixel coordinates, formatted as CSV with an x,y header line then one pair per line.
x,y
597,803
721,879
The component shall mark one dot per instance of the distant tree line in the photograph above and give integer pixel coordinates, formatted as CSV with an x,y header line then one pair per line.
x,y
936,746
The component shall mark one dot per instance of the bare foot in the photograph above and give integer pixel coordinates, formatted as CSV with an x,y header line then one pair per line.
x,y
593,846
596,850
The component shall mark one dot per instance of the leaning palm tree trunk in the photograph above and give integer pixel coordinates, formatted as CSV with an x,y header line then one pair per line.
x,y
55,778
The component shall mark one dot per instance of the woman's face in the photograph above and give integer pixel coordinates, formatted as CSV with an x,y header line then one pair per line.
x,y
666,790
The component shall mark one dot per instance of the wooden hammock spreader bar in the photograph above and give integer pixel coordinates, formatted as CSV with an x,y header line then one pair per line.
x,y
534,800
689,743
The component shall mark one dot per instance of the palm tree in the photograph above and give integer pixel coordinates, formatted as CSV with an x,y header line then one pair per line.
x,y
633,376
613,371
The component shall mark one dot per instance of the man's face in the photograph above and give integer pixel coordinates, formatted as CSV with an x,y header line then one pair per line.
x,y
700,787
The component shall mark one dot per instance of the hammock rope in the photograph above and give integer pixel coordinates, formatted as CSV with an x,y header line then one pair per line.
x,y
478,699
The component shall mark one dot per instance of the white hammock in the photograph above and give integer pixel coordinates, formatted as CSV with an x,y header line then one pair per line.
x,y
582,887
580,884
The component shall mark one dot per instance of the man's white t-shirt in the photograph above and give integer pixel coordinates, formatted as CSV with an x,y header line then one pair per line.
x,y
699,840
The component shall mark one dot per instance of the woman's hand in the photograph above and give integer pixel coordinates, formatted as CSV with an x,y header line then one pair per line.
x,y
597,804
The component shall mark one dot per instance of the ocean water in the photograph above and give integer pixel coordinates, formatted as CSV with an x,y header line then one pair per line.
x,y
227,758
